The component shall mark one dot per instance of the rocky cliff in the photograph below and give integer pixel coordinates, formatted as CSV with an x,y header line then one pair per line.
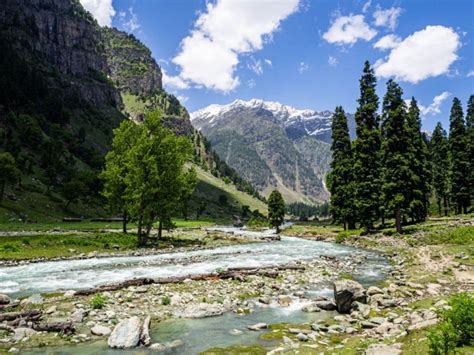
x,y
63,41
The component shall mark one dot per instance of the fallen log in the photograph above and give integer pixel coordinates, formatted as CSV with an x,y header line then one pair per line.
x,y
232,273
60,327
10,305
26,315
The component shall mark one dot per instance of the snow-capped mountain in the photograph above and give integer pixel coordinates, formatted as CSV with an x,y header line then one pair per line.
x,y
296,122
272,145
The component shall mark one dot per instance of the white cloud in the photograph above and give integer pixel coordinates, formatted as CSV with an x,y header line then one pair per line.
x,y
388,42
303,67
332,61
424,54
210,53
251,83
348,30
102,10
471,73
131,24
182,98
366,6
255,65
387,18
268,62
435,107
173,82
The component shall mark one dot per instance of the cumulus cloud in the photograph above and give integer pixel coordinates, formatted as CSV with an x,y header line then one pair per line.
x,y
424,54
348,30
387,18
332,61
102,10
471,73
210,53
173,82
388,42
435,107
302,67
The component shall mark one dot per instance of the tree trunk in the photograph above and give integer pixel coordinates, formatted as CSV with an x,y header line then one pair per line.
x,y
278,229
124,225
160,229
439,206
2,191
351,225
398,220
140,231
344,225
445,201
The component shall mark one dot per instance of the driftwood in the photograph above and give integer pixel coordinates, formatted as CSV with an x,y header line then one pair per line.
x,y
61,327
10,305
232,273
25,315
7,328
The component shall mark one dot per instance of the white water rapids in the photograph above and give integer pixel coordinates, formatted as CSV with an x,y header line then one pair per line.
x,y
63,275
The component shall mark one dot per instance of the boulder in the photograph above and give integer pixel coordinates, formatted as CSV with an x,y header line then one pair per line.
x,y
100,330
126,334
4,299
258,326
373,290
363,309
325,305
202,310
302,337
311,308
21,333
346,292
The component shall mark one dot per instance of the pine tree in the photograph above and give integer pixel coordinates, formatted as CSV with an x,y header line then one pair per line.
x,y
367,152
459,157
276,210
419,166
395,154
440,167
470,144
341,177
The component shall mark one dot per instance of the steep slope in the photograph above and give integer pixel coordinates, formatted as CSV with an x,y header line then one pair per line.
x,y
272,145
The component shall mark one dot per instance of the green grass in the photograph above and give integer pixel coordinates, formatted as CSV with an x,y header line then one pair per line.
x,y
236,350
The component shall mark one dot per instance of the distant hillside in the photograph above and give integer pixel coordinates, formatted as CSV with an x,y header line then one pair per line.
x,y
65,84
272,145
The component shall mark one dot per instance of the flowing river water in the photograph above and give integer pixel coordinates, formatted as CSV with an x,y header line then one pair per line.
x,y
197,334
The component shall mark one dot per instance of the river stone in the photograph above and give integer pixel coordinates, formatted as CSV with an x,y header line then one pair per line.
x,y
325,305
373,290
33,299
21,333
100,330
126,334
78,315
302,337
346,292
4,299
258,326
311,308
201,310
363,309
382,349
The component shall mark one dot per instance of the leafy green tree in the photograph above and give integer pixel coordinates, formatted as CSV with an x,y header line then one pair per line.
x,y
73,190
115,171
459,157
470,143
440,167
366,152
341,177
418,164
188,186
9,173
153,173
395,154
276,210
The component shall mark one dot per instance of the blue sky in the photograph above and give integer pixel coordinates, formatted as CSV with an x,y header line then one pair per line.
x,y
307,54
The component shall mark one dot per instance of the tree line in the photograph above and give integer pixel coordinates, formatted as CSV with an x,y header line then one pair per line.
x,y
391,169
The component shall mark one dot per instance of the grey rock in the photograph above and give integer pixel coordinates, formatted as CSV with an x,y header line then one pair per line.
x,y
33,299
202,310
302,337
325,305
368,325
100,330
311,308
258,326
377,320
21,333
126,334
4,299
363,309
383,349
145,338
346,292
373,290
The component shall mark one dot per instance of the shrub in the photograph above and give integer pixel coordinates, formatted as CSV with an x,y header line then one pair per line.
x,y
166,300
98,301
456,327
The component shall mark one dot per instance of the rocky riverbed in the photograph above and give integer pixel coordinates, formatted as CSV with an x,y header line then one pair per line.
x,y
380,310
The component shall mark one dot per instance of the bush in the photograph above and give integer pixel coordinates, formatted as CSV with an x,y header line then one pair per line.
x,y
256,222
98,301
343,235
456,327
166,300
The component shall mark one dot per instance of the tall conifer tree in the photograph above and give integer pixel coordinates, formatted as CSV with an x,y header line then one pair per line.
x,y
459,158
395,154
367,152
440,167
341,177
419,165
470,143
